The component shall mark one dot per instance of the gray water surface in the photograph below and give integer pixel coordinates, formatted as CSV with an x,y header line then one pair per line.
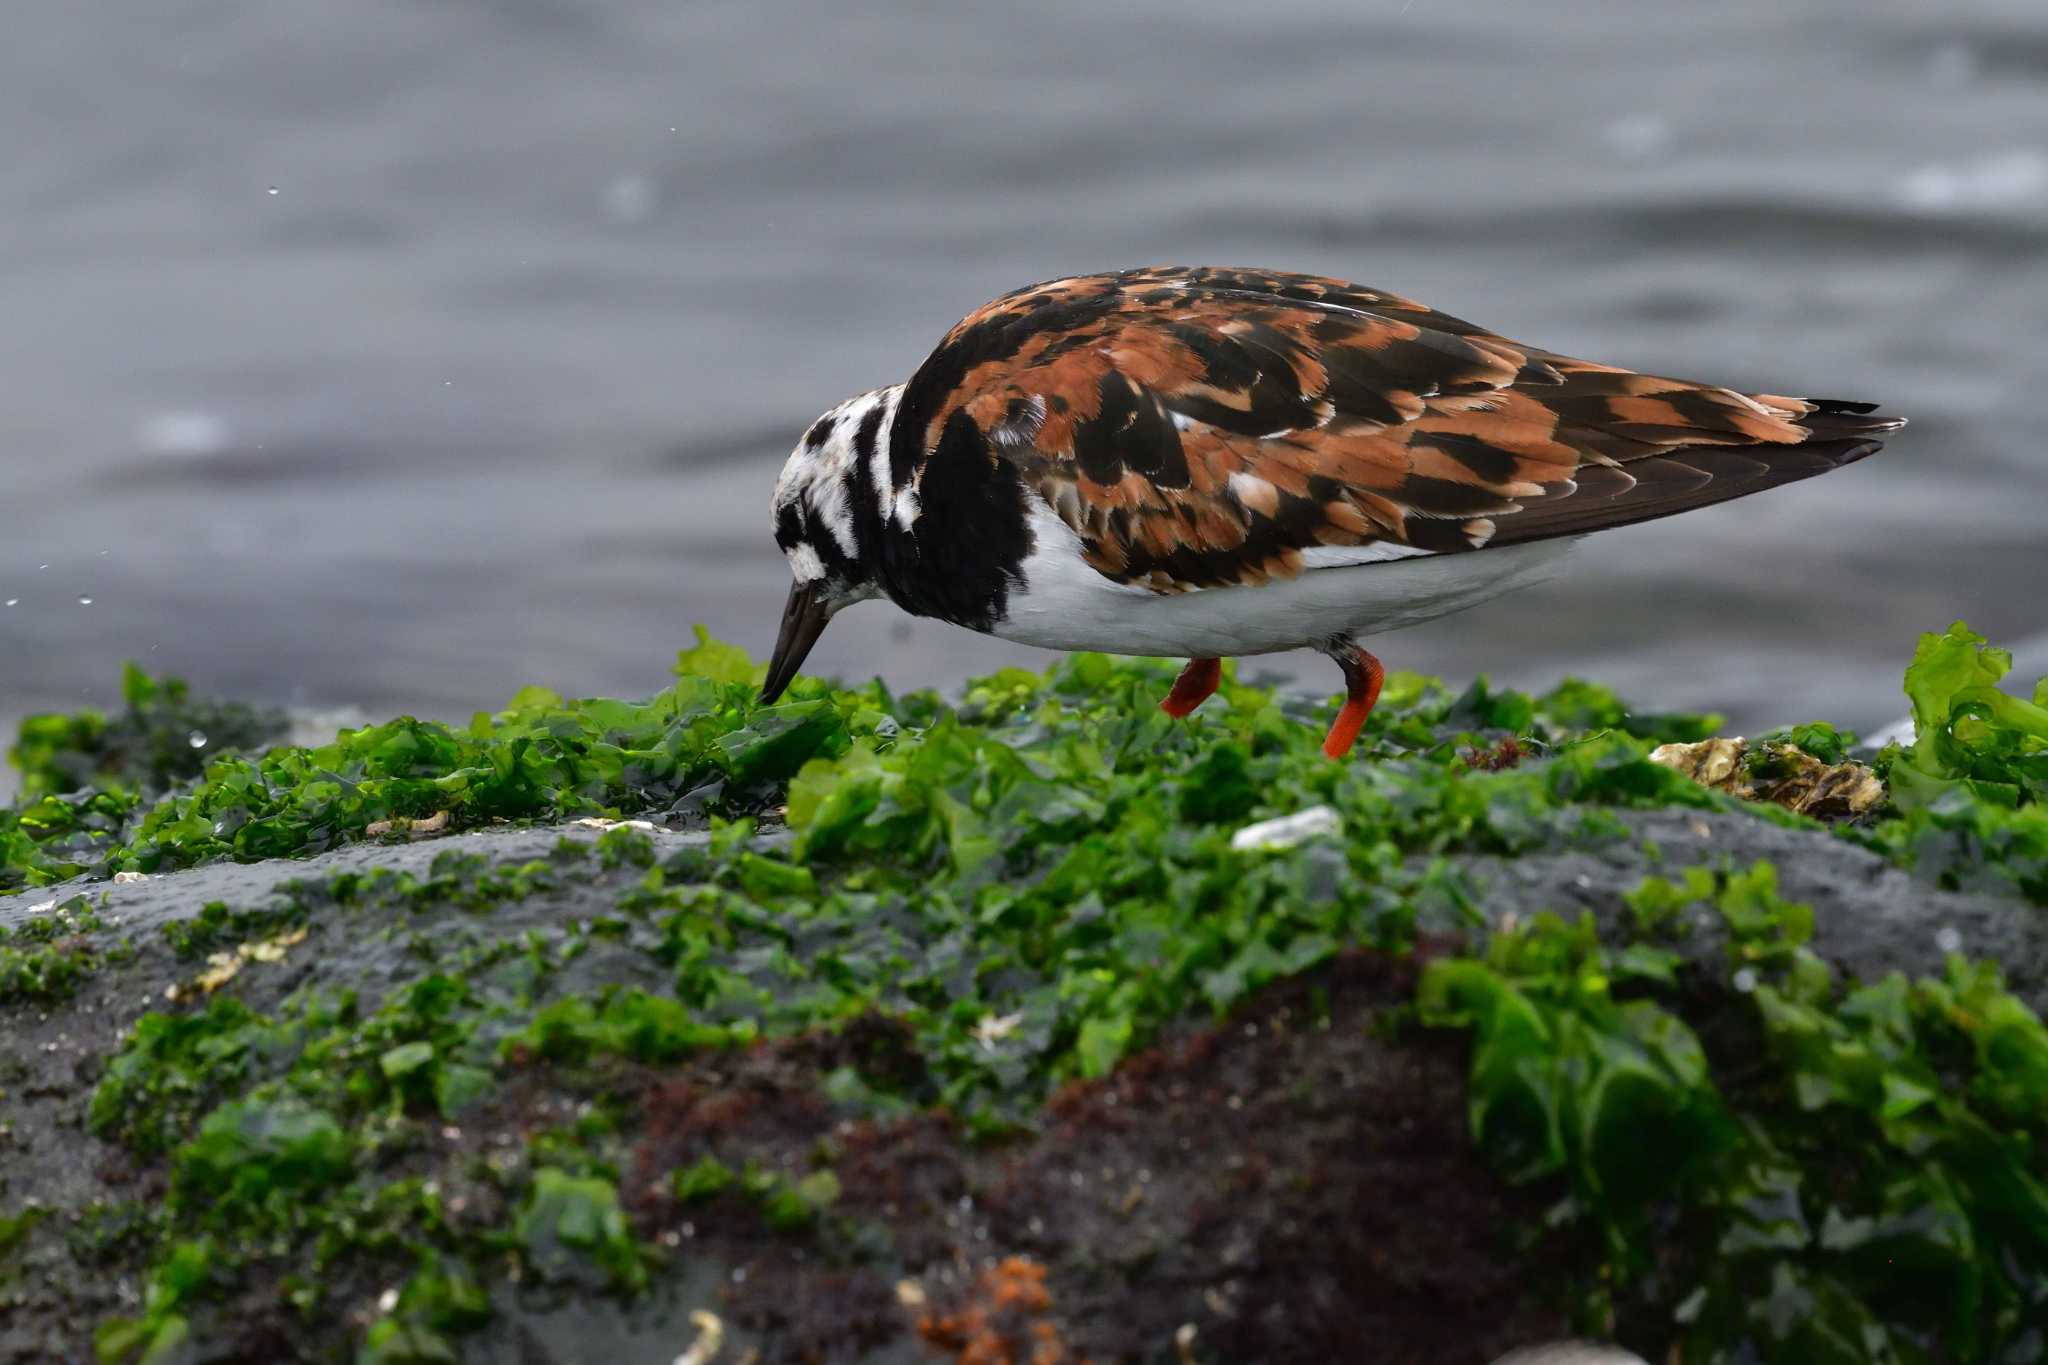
x,y
404,353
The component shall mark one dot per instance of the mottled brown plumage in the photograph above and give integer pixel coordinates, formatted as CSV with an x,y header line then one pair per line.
x,y
1208,463
1202,427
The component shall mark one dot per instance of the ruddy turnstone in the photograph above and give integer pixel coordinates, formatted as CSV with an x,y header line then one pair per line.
x,y
1204,462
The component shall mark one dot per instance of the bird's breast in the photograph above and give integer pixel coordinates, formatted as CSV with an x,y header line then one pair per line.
x,y
1062,603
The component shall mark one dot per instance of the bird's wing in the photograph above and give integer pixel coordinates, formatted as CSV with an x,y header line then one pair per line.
x,y
1204,427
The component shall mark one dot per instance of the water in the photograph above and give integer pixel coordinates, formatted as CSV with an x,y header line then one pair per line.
x,y
403,356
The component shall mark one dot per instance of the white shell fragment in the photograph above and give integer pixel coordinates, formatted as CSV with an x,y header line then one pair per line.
x,y
1570,1353
1288,830
710,1339
993,1028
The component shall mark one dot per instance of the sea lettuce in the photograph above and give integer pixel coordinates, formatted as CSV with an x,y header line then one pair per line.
x,y
1968,732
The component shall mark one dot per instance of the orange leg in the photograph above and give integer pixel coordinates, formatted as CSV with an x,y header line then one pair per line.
x,y
1195,685
1363,675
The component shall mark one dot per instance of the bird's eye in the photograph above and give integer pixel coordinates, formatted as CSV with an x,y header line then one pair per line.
x,y
789,527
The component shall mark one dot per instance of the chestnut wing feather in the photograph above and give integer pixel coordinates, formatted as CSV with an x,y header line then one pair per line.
x,y
1203,427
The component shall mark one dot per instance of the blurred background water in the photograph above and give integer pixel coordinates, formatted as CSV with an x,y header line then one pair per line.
x,y
401,354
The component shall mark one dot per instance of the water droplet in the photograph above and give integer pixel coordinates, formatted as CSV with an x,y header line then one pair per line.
x,y
1745,980
41,567
272,191
14,601
197,739
105,553
84,601
447,383
1949,940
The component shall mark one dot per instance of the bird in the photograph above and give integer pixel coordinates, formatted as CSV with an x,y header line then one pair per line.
x,y
1205,462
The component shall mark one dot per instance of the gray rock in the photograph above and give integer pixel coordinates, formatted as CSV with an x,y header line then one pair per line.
x,y
1870,918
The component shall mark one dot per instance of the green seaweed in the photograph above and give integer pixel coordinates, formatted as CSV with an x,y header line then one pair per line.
x,y
572,1226
1030,886
540,758
1970,794
1005,879
786,1204
1818,738
45,961
162,1328
1873,1192
163,735
1968,732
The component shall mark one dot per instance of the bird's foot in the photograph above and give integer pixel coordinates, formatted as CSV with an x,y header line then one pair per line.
x,y
1363,676
1195,685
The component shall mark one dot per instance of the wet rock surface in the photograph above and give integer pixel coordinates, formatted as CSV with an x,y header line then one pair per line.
x,y
1869,917
1281,1185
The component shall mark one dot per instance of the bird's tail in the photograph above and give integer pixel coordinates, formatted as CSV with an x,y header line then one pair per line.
x,y
1836,419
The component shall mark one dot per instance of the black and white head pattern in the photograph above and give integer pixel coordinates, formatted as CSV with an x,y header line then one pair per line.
x,y
828,510
943,538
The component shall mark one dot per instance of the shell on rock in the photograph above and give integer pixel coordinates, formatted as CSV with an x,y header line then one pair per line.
x,y
1782,774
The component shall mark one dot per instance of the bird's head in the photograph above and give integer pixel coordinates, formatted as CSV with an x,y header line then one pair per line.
x,y
827,509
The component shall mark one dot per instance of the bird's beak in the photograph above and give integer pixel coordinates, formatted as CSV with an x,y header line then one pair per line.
x,y
803,621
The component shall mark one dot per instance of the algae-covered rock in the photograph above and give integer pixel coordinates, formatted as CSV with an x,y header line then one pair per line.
x,y
797,1187
1010,1044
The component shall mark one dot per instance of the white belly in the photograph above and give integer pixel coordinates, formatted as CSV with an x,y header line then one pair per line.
x,y
1064,604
